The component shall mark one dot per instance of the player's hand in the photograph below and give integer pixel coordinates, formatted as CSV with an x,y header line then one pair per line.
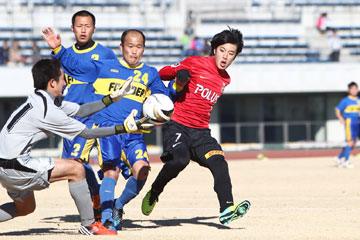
x,y
182,77
52,39
342,121
131,125
126,89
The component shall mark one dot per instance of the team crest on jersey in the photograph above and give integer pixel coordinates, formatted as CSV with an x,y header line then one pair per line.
x,y
175,64
114,70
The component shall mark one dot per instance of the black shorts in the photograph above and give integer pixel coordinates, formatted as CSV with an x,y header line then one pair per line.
x,y
198,143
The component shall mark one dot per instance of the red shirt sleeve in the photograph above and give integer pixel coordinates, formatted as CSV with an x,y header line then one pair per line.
x,y
169,72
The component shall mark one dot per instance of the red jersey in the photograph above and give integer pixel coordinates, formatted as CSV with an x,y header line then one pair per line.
x,y
206,85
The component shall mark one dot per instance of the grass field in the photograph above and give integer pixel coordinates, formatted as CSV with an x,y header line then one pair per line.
x,y
299,198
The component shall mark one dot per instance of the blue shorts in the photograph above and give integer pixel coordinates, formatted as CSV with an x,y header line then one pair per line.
x,y
121,151
79,147
352,129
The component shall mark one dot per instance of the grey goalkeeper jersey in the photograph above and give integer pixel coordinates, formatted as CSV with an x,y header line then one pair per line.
x,y
35,120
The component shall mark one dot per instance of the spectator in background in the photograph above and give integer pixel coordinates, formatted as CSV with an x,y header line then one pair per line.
x,y
189,26
185,43
199,46
15,57
4,54
322,23
35,53
335,45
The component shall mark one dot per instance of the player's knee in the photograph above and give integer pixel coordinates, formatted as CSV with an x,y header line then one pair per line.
x,y
25,209
179,161
217,164
141,170
351,143
78,170
111,172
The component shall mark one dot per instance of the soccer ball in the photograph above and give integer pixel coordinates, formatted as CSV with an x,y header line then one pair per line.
x,y
159,108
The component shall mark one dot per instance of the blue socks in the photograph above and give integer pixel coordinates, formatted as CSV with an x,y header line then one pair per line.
x,y
132,189
347,152
91,179
341,155
107,190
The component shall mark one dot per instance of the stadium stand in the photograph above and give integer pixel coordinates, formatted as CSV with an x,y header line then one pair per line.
x,y
286,34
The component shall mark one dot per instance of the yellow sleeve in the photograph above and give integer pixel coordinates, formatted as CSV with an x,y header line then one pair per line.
x,y
56,50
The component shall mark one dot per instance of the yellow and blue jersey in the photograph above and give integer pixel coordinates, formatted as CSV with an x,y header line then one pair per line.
x,y
109,75
80,91
350,109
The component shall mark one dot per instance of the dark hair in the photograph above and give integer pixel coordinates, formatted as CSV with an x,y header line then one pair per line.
x,y
44,70
123,35
232,35
352,84
83,13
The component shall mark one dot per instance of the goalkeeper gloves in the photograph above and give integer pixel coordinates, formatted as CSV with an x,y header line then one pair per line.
x,y
131,125
118,94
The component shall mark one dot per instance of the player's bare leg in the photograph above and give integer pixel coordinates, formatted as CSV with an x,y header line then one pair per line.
x,y
140,171
73,171
18,208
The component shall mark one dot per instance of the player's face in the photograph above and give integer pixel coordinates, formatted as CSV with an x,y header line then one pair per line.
x,y
353,91
133,48
59,86
225,55
83,29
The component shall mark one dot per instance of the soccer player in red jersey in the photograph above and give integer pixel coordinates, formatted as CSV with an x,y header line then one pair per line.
x,y
187,135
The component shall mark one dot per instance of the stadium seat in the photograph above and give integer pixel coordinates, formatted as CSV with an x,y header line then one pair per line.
x,y
248,21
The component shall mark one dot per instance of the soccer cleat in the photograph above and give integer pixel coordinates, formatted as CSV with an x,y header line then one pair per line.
x,y
149,201
117,215
337,161
96,207
234,212
96,229
109,225
347,165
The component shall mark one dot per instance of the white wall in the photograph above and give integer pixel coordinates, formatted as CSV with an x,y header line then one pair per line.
x,y
292,78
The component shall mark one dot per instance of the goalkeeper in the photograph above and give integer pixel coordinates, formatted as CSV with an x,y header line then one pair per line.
x,y
43,113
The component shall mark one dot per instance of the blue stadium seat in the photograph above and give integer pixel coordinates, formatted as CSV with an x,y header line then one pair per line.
x,y
102,4
355,52
350,36
120,29
148,38
345,28
24,38
247,21
157,46
323,3
295,45
351,45
269,37
16,29
307,53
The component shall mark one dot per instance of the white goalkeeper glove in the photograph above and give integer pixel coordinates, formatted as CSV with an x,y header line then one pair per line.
x,y
119,93
131,125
